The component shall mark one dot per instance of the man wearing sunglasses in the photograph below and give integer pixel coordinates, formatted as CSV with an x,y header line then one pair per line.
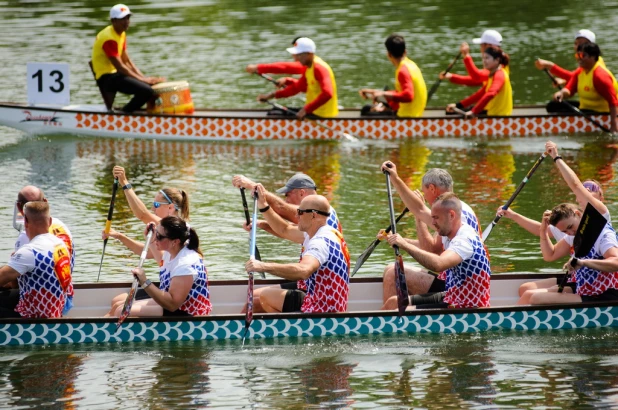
x,y
324,265
594,83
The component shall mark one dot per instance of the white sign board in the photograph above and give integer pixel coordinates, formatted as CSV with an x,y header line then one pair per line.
x,y
48,83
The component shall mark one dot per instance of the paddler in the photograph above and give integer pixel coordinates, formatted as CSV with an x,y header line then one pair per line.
x,y
282,67
318,82
594,83
410,95
113,68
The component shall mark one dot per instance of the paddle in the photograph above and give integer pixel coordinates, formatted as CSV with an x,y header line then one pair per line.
x,y
128,303
252,250
367,253
574,108
344,135
590,227
248,219
521,185
108,224
435,85
400,276
269,78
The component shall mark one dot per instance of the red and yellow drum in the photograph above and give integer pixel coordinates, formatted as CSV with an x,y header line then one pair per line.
x,y
172,98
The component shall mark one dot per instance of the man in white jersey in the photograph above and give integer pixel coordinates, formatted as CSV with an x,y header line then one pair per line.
x,y
435,182
298,187
42,268
324,263
456,250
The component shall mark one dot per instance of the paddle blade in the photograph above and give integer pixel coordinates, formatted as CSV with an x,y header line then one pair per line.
x,y
364,256
402,287
487,230
249,313
126,309
590,227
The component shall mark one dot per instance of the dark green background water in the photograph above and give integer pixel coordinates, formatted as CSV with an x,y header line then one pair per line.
x,y
208,44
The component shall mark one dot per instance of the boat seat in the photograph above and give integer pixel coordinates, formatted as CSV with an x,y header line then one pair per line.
x,y
108,96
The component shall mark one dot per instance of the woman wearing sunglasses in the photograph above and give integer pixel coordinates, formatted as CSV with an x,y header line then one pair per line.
x,y
594,83
183,289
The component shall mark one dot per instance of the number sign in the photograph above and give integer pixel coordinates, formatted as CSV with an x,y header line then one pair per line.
x,y
48,83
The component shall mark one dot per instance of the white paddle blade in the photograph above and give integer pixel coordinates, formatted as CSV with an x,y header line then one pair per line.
x,y
487,231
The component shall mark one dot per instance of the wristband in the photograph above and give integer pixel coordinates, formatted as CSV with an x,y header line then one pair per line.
x,y
266,208
127,186
146,283
557,158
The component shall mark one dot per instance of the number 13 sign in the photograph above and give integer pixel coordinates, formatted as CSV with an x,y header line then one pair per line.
x,y
48,83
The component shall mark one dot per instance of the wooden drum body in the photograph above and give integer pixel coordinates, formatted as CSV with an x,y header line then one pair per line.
x,y
172,98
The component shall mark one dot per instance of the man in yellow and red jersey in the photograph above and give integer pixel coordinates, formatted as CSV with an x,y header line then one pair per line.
x,y
476,76
283,67
594,83
410,96
318,82
113,69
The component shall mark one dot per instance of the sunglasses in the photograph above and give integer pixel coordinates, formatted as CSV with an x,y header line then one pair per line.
x,y
160,237
158,204
306,211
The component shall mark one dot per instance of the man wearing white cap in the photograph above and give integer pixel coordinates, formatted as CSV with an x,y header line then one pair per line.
x,y
476,76
318,82
113,69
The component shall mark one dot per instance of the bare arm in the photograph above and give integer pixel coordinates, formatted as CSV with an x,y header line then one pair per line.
x,y
281,227
290,271
138,208
426,241
413,200
550,251
180,286
7,275
608,264
282,208
429,260
125,66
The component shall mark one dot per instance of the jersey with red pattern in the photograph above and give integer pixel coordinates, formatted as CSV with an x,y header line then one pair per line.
x,y
44,269
592,282
468,217
332,221
188,262
467,284
328,286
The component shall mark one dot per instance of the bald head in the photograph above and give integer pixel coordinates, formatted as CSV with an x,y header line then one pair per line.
x,y
317,202
27,194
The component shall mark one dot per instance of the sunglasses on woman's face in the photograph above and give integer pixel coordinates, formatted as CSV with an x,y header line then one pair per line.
x,y
159,237
157,204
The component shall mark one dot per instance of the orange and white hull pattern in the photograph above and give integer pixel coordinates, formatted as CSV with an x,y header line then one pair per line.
x,y
229,125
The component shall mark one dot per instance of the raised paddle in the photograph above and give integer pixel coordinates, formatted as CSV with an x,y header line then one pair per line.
x,y
248,219
574,108
108,224
590,227
521,185
400,276
435,85
269,78
343,135
367,253
252,248
128,303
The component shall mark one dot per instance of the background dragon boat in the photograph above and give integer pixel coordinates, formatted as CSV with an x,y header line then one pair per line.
x,y
85,323
241,125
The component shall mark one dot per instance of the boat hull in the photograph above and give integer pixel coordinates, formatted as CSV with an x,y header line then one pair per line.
x,y
239,125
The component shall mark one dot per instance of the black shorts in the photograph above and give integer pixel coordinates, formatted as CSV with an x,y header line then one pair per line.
x,y
289,285
607,296
437,285
572,285
429,300
293,301
176,313
9,298
141,295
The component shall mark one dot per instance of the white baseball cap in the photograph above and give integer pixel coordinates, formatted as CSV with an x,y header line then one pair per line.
x,y
119,11
489,37
587,34
302,45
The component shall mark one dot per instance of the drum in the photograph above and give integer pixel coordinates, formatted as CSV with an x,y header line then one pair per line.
x,y
171,98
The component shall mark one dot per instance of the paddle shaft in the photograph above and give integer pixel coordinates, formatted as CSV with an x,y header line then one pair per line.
x,y
435,85
268,78
512,198
574,108
365,255
252,246
248,219
128,303
400,278
344,135
108,223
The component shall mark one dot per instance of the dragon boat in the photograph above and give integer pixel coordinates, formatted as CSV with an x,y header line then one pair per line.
x,y
86,324
251,125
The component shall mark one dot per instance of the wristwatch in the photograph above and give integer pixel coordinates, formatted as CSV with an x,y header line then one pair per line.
x,y
127,186
146,283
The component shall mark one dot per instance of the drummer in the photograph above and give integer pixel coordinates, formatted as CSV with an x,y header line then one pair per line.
x,y
112,66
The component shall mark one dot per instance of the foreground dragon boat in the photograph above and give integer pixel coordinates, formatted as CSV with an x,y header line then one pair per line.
x,y
232,125
85,323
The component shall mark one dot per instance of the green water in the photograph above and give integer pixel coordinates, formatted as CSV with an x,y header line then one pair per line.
x,y
208,44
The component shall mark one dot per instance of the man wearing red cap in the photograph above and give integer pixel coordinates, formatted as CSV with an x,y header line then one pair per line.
x,y
318,82
113,69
